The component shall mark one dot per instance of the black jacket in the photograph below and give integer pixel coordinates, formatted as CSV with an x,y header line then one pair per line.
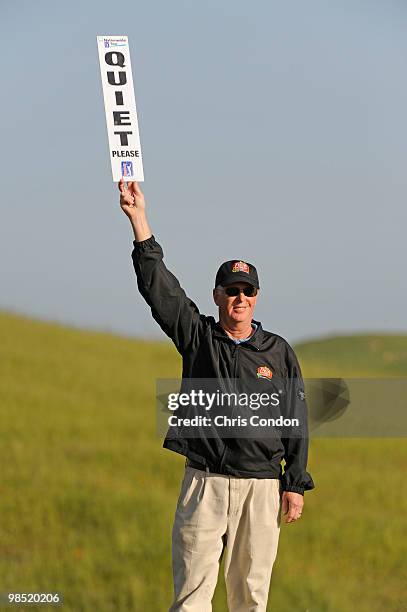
x,y
209,353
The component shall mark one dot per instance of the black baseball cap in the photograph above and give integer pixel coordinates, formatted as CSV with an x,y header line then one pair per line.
x,y
237,271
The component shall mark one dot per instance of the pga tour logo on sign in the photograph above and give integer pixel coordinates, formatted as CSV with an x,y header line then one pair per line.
x,y
127,168
120,108
240,266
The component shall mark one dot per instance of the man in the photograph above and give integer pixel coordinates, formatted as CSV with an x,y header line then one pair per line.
x,y
233,489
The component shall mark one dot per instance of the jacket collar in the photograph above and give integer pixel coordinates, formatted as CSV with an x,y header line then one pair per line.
x,y
254,341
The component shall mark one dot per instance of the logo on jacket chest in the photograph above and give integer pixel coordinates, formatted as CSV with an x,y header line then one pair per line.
x,y
264,372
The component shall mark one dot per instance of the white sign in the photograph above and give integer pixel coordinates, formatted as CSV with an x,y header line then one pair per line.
x,y
120,107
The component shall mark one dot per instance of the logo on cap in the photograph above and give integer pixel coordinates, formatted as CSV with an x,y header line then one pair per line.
x,y
264,372
240,266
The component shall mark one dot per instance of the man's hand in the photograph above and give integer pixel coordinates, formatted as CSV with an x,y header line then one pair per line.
x,y
291,505
131,198
133,205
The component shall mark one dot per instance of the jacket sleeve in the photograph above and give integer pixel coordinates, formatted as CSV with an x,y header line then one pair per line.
x,y
295,477
176,314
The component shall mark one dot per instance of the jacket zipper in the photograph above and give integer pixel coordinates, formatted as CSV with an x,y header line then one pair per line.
x,y
235,357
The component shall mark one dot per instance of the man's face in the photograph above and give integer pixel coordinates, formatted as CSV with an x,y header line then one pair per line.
x,y
234,309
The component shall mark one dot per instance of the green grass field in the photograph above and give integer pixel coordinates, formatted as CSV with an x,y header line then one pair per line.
x,y
87,494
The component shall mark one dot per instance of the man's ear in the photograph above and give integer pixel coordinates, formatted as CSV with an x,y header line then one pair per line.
x,y
215,297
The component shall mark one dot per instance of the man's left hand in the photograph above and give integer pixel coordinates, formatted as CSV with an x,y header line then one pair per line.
x,y
291,505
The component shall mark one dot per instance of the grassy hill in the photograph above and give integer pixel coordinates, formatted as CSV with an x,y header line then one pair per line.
x,y
87,494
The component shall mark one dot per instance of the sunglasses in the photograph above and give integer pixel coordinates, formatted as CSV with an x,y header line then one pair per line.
x,y
234,291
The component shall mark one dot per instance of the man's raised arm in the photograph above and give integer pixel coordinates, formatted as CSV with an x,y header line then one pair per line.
x,y
176,314
133,205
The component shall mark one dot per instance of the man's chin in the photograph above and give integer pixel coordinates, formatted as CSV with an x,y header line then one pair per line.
x,y
240,317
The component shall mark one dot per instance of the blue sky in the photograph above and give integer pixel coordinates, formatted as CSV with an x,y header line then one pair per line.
x,y
271,132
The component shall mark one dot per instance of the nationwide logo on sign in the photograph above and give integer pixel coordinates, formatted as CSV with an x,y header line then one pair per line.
x,y
108,42
264,372
240,266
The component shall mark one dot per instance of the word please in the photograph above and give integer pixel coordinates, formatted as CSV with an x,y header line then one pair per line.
x,y
125,153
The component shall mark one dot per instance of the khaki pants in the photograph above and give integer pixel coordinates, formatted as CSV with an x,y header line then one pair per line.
x,y
216,513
